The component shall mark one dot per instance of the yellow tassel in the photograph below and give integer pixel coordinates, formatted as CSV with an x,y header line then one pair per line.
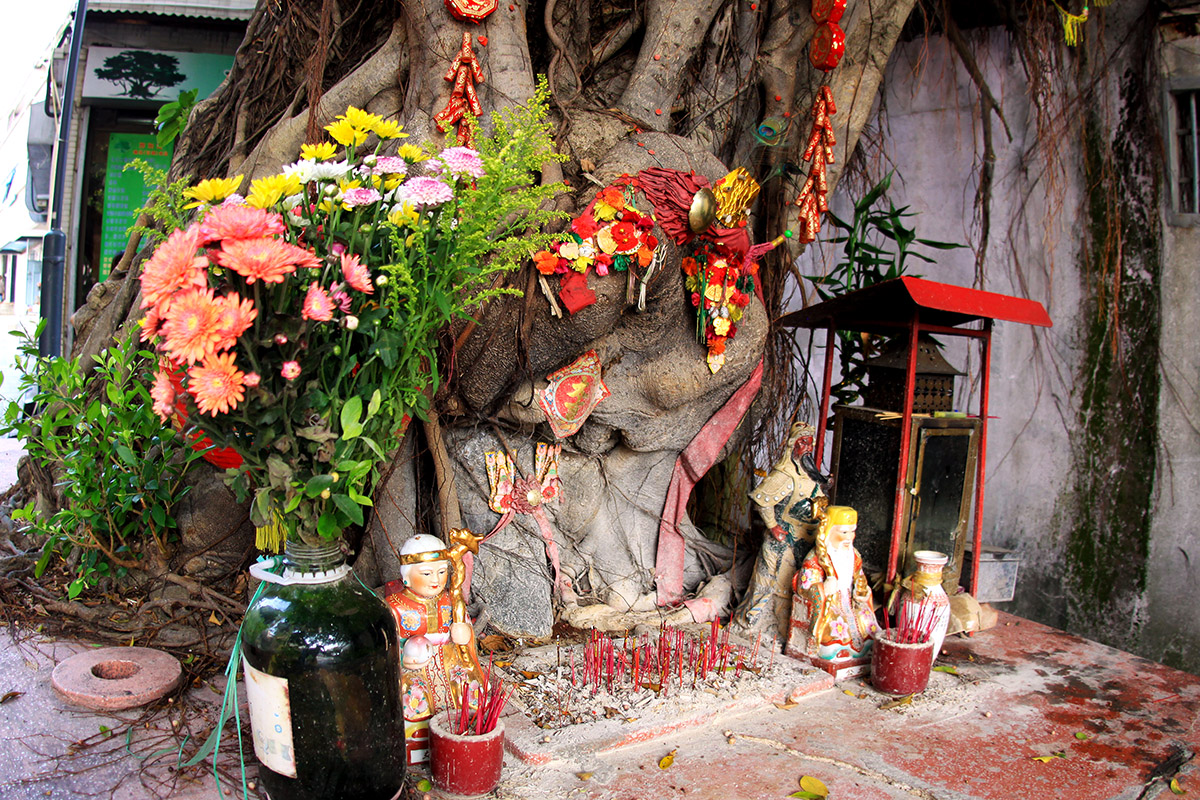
x,y
1072,24
272,535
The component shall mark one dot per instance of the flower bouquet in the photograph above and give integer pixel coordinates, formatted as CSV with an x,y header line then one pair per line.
x,y
299,324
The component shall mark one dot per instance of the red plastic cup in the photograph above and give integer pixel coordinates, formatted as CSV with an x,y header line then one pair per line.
x,y
465,766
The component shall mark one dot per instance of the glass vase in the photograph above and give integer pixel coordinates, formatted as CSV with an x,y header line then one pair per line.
x,y
322,666
924,599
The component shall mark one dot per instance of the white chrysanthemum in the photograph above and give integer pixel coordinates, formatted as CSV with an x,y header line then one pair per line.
x,y
307,170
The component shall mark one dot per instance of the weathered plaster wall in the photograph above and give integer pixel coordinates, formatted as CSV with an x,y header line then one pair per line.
x,y
1173,576
1091,474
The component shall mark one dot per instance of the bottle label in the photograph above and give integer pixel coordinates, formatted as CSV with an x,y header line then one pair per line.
x,y
270,720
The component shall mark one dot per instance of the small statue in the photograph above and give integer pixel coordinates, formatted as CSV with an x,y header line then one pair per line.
x,y
833,613
786,501
439,661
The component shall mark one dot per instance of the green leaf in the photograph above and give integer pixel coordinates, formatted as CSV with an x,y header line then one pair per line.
x,y
375,448
373,406
944,668
1176,788
327,525
158,515
350,418
317,484
424,785
1080,735
361,499
351,509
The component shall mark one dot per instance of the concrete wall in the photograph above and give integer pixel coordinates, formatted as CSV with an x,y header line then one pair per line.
x,y
1084,568
1174,573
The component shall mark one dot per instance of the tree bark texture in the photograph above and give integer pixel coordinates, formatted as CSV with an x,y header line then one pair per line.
x,y
634,85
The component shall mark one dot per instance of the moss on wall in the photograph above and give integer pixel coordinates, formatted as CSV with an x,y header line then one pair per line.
x,y
1114,453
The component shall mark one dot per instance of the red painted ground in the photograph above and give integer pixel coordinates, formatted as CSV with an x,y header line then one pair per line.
x,y
1023,690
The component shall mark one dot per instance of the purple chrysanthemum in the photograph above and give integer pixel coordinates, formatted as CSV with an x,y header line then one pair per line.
x,y
462,161
361,196
390,165
423,191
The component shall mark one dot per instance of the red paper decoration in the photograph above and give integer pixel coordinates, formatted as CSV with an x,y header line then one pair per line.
x,y
464,72
827,47
812,199
472,10
828,11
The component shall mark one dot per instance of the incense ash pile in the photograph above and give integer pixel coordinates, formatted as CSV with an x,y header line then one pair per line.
x,y
626,678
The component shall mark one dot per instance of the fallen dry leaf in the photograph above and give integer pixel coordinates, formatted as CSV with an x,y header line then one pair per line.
x,y
583,776
1176,788
903,701
786,706
810,784
668,759
9,696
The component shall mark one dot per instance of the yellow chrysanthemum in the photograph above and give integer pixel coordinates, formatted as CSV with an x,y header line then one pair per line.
x,y
344,185
345,133
361,119
721,326
406,214
392,182
389,129
411,153
326,206
319,152
266,192
213,190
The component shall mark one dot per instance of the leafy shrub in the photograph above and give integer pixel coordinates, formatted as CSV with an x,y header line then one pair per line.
x,y
121,471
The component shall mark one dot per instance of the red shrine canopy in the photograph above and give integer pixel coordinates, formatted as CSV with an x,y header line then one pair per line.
x,y
910,306
880,308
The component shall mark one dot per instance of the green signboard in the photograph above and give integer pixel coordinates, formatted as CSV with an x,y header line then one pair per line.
x,y
125,191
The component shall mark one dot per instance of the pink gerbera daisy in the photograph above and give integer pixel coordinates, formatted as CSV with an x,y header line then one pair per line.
x,y
318,306
239,222
357,274
217,384
360,196
237,314
266,260
390,165
163,393
462,161
193,327
422,191
175,266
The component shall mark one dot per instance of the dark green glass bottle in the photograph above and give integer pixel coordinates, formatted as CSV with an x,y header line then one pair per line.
x,y
322,669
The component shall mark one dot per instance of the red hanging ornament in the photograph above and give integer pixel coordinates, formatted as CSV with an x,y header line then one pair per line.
x,y
827,47
464,73
828,11
471,10
812,200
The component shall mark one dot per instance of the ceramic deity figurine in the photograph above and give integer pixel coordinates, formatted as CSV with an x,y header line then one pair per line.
x,y
833,613
439,662
787,500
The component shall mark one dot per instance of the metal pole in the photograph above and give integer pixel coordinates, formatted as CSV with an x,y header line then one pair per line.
x,y
981,466
54,248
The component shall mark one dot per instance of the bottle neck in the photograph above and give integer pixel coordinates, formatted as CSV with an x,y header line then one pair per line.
x,y
309,563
